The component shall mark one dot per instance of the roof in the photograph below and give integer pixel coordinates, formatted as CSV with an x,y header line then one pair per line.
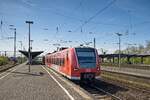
x,y
124,55
33,53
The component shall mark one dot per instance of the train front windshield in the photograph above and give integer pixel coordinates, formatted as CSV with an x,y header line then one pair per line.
x,y
86,57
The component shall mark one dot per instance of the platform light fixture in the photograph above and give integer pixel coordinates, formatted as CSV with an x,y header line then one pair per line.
x,y
29,49
14,40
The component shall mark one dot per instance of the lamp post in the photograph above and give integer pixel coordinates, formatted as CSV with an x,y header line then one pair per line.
x,y
29,52
14,41
94,40
31,47
21,49
119,35
31,44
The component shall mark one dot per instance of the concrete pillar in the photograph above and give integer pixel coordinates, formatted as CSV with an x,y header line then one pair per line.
x,y
128,60
109,59
113,59
102,59
5,53
118,60
141,60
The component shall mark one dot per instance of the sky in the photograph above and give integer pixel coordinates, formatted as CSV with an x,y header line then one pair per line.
x,y
74,22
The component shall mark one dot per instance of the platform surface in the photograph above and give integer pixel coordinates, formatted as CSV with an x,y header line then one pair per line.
x,y
130,71
18,84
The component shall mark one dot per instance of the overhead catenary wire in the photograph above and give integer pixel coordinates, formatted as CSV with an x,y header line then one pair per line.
x,y
1,29
130,21
96,14
72,13
78,6
83,21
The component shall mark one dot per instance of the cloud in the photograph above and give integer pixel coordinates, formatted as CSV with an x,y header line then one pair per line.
x,y
29,3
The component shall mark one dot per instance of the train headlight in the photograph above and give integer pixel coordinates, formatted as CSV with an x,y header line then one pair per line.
x,y
75,69
98,68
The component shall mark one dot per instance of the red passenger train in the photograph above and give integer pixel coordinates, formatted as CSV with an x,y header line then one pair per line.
x,y
75,63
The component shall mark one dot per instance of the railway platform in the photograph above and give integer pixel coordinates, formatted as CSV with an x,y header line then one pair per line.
x,y
19,84
129,71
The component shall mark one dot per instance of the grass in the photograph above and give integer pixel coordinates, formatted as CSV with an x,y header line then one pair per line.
x,y
3,60
128,80
136,66
5,63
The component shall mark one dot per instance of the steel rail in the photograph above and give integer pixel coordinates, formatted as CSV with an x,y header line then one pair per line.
x,y
110,94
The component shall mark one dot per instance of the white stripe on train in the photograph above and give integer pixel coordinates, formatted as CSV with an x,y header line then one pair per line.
x,y
55,67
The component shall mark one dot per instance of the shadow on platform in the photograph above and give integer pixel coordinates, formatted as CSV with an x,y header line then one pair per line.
x,y
29,73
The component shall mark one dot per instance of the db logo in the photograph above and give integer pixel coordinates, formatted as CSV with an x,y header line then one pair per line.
x,y
88,70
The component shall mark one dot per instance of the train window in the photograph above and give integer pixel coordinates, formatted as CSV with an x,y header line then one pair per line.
x,y
86,57
47,60
52,60
63,62
67,55
56,61
59,61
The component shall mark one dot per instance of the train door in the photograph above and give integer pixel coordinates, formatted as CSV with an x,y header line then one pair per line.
x,y
67,63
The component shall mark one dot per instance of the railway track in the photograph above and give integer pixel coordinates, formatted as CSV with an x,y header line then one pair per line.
x,y
128,74
127,86
129,92
130,81
107,94
106,90
98,93
102,89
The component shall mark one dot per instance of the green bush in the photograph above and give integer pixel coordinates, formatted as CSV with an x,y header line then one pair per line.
x,y
21,60
3,60
147,60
